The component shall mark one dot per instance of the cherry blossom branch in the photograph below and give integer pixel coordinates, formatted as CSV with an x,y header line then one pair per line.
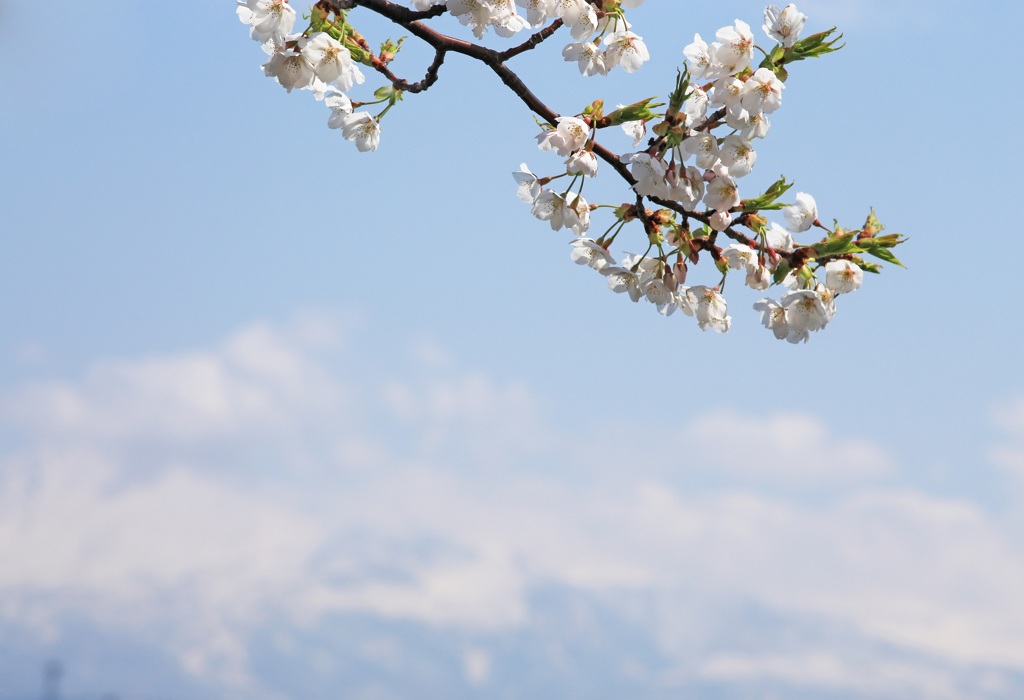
x,y
495,60
723,74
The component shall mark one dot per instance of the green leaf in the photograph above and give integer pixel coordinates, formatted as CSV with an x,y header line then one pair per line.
x,y
767,200
874,268
886,255
772,58
890,240
838,244
391,48
813,46
678,96
780,272
879,246
634,112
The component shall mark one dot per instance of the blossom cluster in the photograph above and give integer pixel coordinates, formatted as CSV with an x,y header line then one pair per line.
x,y
314,61
695,172
620,47
684,167
323,64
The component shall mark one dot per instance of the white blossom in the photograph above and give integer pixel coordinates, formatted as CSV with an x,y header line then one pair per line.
x,y
291,70
577,214
657,292
622,280
726,91
794,280
320,89
705,146
537,11
571,134
582,163
805,312
331,61
655,282
740,256
362,129
625,49
828,300
779,238
722,193
758,277
842,276
710,308
649,173
783,25
340,105
762,92
588,56
476,14
735,47
529,188
586,251
507,21
685,185
699,58
696,104
636,130
773,316
578,15
748,125
552,207
737,155
801,215
480,14
270,19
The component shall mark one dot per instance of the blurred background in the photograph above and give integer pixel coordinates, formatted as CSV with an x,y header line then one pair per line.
x,y
281,420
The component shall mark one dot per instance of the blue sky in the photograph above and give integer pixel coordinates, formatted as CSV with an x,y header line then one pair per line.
x,y
283,420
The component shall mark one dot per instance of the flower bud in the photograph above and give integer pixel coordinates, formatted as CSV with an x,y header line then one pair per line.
x,y
669,278
720,220
679,272
626,212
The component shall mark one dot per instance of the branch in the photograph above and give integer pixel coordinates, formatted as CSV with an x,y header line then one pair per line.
x,y
404,85
532,42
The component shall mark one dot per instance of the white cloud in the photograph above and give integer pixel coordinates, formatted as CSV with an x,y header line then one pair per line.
x,y
786,446
450,525
824,670
256,381
183,547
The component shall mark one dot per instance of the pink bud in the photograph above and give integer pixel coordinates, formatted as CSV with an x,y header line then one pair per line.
x,y
679,272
